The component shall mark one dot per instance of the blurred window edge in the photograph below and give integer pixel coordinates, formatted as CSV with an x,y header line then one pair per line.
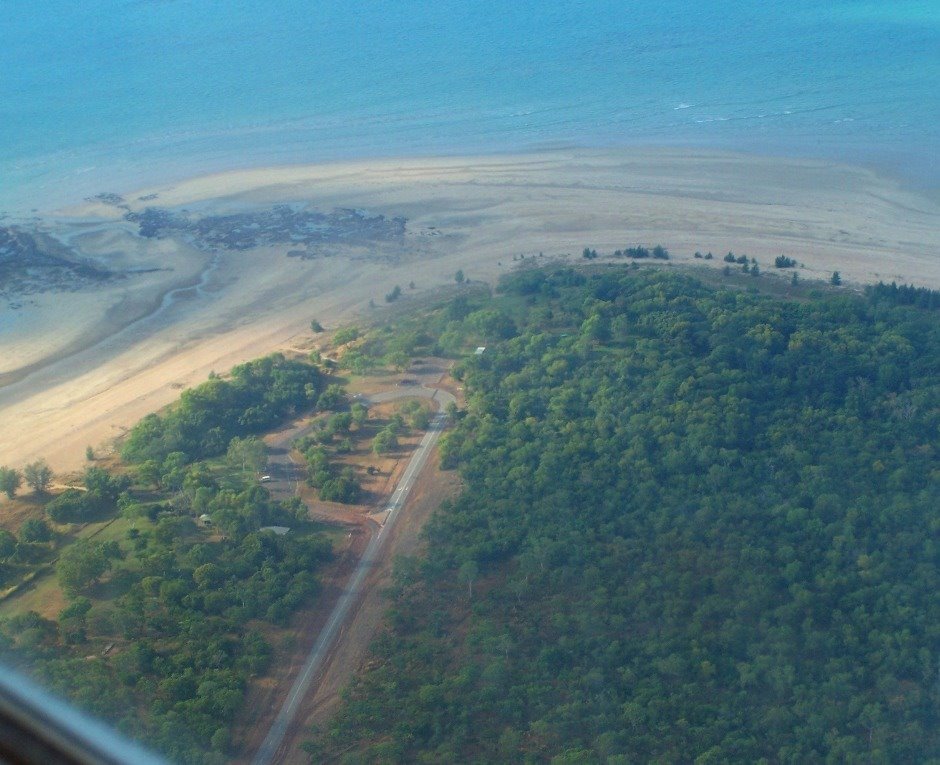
x,y
39,728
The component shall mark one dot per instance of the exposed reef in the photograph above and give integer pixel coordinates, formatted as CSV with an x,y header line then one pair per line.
x,y
31,262
280,224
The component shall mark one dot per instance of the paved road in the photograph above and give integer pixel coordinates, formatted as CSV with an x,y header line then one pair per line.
x,y
352,593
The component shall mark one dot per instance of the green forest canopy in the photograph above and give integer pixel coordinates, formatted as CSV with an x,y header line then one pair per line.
x,y
166,624
699,525
257,396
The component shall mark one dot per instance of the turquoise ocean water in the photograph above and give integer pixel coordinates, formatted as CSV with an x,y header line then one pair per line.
x,y
115,94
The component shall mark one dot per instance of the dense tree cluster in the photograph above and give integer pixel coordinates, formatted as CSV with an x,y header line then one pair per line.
x,y
416,414
699,525
161,632
165,613
99,497
19,556
383,348
257,396
657,253
905,294
333,482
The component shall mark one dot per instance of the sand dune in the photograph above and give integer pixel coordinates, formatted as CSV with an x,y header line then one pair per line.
x,y
100,360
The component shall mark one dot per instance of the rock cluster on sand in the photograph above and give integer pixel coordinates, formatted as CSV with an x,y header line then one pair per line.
x,y
32,263
279,224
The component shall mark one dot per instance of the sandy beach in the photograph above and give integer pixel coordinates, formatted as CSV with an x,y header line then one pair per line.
x,y
80,367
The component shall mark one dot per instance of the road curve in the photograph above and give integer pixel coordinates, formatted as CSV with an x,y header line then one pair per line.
x,y
353,590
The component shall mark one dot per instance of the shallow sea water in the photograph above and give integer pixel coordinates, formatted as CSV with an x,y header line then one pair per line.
x,y
117,94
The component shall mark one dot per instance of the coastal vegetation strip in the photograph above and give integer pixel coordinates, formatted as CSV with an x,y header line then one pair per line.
x,y
155,589
163,612
630,438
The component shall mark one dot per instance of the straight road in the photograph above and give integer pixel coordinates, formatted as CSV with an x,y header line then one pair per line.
x,y
353,591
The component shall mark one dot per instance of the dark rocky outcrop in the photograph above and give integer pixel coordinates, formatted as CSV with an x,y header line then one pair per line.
x,y
32,262
280,224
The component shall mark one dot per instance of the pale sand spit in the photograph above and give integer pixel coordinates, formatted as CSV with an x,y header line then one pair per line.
x,y
102,359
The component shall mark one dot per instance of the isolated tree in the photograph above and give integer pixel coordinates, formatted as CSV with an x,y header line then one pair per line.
x,y
38,475
10,480
384,441
89,454
81,565
420,419
35,530
459,277
334,397
360,413
836,279
341,421
315,326
344,488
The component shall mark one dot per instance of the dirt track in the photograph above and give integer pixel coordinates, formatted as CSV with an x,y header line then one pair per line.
x,y
338,634
349,654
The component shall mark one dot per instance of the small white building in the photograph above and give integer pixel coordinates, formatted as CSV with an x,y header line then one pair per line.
x,y
279,530
479,350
